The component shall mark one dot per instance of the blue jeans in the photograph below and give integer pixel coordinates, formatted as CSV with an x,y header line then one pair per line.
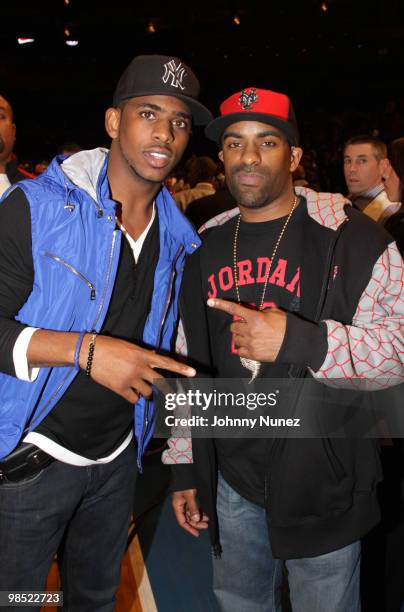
x,y
248,579
85,511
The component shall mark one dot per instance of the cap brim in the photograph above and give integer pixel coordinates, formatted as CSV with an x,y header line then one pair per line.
x,y
200,114
215,129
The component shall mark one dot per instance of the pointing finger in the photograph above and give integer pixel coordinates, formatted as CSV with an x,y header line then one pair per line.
x,y
230,307
166,363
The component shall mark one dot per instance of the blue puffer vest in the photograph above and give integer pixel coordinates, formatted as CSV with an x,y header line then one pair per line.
x,y
75,248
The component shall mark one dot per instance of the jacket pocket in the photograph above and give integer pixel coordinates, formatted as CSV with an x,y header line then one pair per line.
x,y
309,480
70,268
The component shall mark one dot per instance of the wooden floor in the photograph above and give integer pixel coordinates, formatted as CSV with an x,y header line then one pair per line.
x,y
134,594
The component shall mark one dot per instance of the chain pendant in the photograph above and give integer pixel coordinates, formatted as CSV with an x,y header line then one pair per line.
x,y
251,365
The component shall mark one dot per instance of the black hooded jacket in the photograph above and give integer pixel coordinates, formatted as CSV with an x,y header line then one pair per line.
x,y
320,492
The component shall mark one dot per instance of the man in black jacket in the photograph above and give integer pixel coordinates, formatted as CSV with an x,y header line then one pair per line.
x,y
325,285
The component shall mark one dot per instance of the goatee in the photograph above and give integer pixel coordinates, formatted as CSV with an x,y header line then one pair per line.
x,y
250,198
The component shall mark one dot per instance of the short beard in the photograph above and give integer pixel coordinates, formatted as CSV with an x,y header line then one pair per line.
x,y
252,199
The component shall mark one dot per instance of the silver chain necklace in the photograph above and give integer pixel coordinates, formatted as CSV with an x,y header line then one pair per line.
x,y
251,364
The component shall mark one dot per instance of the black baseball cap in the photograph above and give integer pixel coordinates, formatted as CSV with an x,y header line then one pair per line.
x,y
164,75
254,104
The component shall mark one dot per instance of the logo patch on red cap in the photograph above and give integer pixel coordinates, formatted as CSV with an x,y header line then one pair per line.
x,y
248,98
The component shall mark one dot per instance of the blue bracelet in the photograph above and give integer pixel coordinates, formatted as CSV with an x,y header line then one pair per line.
x,y
77,349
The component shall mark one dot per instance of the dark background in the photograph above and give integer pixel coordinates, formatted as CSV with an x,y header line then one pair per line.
x,y
342,67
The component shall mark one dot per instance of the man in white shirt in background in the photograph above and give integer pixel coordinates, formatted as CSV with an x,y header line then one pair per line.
x,y
365,164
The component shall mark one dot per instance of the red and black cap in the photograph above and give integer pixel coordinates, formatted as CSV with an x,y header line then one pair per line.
x,y
162,75
253,104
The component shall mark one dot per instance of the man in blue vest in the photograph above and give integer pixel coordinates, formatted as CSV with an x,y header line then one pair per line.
x,y
91,255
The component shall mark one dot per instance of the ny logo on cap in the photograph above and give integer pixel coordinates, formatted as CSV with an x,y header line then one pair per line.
x,y
176,73
248,98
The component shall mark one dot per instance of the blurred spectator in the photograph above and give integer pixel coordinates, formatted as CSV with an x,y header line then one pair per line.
x,y
201,179
177,180
40,167
68,148
26,164
202,209
10,172
309,164
299,177
365,165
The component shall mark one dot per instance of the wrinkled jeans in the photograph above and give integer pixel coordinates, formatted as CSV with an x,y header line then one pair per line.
x,y
85,511
248,579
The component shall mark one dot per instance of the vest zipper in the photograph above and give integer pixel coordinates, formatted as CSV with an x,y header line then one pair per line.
x,y
163,318
94,323
111,256
73,270
168,298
